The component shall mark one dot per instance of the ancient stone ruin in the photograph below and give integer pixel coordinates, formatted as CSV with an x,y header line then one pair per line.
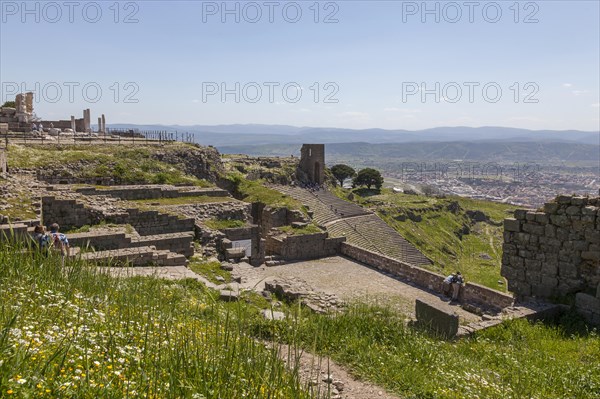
x,y
555,252
21,118
547,254
311,168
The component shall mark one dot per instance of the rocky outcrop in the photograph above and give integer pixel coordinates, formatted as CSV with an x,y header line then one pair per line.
x,y
201,162
292,289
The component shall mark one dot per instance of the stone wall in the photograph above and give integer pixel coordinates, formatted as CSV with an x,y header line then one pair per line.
x,y
311,168
3,163
70,214
471,292
307,246
50,178
555,252
153,192
100,241
62,124
153,222
231,210
251,233
268,218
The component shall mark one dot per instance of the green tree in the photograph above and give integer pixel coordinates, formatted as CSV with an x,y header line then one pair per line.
x,y
341,172
9,104
368,177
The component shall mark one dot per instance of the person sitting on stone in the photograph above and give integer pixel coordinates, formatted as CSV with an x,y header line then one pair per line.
x,y
447,285
457,283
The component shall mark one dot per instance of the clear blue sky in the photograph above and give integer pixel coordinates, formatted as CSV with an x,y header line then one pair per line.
x,y
374,61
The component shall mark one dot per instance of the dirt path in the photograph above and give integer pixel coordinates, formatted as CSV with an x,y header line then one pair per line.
x,y
323,377
326,379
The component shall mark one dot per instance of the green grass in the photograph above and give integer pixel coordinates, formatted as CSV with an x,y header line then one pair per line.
x,y
210,270
440,232
220,224
19,207
125,164
308,229
255,191
512,361
87,228
79,333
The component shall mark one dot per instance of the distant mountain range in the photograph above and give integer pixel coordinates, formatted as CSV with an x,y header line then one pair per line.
x,y
555,153
242,135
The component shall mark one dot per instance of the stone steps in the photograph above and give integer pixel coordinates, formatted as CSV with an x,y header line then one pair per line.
x,y
168,258
372,233
171,249
325,206
360,226
140,256
181,243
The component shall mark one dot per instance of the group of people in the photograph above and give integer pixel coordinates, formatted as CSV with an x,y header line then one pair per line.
x,y
453,283
39,128
312,186
54,240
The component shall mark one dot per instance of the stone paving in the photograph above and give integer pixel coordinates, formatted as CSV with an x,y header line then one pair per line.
x,y
351,280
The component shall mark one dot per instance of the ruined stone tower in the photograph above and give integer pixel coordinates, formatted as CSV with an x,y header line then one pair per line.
x,y
312,163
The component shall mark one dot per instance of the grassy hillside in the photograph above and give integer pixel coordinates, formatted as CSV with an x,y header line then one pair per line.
x,y
444,229
139,164
76,332
255,191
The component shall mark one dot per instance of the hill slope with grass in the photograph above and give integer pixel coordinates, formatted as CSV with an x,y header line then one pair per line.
x,y
174,163
456,233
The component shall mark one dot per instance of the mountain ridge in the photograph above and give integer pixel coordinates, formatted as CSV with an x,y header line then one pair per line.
x,y
252,134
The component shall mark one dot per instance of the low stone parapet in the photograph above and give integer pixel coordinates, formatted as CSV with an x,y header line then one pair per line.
x,y
9,232
471,292
99,240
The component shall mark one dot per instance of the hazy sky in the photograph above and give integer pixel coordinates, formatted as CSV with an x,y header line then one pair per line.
x,y
354,64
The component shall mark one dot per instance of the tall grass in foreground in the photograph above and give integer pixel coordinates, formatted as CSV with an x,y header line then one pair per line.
x,y
514,360
74,332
